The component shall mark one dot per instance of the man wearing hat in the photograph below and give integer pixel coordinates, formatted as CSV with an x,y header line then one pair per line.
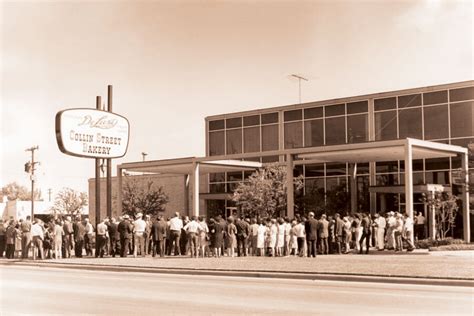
x,y
125,230
311,228
139,226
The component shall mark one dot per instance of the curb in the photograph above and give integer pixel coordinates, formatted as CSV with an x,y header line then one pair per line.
x,y
256,274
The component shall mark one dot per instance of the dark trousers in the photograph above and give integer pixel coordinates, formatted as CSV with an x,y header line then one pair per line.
x,y
124,243
3,242
114,247
175,239
300,241
88,244
68,245
101,243
339,244
312,248
10,253
324,245
241,246
159,247
38,246
366,236
25,244
78,248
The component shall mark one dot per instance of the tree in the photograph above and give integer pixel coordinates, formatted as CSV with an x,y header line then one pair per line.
x,y
69,202
446,207
264,193
142,196
14,191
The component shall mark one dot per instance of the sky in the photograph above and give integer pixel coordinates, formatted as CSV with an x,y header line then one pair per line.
x,y
172,63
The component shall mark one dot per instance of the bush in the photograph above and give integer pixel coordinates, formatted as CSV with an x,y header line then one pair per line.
x,y
453,247
431,243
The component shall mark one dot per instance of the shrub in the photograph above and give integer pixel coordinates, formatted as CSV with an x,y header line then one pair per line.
x,y
430,243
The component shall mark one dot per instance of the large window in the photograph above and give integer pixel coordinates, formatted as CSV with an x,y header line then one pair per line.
x,y
293,135
251,139
216,143
436,122
462,119
234,141
314,133
357,128
410,123
335,130
269,137
386,125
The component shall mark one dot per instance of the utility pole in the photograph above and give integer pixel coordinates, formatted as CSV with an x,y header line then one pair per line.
x,y
97,187
299,84
109,160
31,170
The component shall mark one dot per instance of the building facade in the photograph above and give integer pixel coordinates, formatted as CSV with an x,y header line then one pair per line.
x,y
442,113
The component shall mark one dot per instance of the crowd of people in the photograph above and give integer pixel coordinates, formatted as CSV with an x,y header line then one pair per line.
x,y
217,237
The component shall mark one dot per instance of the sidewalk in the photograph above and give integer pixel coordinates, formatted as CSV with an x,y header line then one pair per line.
x,y
448,268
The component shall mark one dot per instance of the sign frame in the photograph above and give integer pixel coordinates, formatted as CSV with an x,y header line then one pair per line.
x,y
60,142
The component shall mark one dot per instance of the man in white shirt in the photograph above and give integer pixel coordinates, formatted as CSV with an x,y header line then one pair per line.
x,y
101,238
37,233
139,226
176,224
193,228
408,232
390,226
380,224
420,221
300,234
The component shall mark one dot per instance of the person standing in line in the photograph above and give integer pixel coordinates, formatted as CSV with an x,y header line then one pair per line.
x,y
125,230
408,232
280,246
293,244
101,238
299,231
58,239
88,237
347,234
253,236
243,231
37,234
380,224
420,222
261,231
203,236
192,229
79,232
366,226
114,237
231,240
147,235
338,232
323,231
287,240
158,234
26,238
391,223
311,229
11,235
356,231
139,227
68,237
3,242
176,224
184,240
220,227
273,237
398,232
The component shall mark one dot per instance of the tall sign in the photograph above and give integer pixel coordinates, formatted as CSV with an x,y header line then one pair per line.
x,y
92,133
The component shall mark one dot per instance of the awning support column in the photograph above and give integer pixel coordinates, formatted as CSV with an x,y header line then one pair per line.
x,y
409,181
195,180
290,200
465,197
119,192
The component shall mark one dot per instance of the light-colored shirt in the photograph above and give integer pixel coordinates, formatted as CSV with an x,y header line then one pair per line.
x,y
37,230
299,230
408,224
89,229
380,221
420,220
140,226
101,229
192,227
176,223
254,229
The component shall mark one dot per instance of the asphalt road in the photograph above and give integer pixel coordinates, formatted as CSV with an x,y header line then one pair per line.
x,y
50,291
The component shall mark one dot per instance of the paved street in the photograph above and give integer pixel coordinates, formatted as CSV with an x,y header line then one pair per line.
x,y
41,290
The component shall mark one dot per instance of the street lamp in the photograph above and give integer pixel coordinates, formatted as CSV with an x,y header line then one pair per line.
x,y
299,83
144,154
31,170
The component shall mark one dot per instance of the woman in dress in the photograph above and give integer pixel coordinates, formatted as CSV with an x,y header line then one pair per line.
x,y
231,239
293,239
58,239
203,236
273,237
262,229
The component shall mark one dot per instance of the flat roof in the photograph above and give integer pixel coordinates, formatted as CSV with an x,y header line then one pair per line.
x,y
455,85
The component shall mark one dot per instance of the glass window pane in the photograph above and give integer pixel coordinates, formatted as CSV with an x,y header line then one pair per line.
x,y
410,123
217,177
270,118
234,176
313,133
436,122
216,143
336,169
437,177
386,125
357,107
437,164
417,165
251,139
436,97
233,122
269,137
293,115
335,183
462,119
234,141
461,94
215,125
386,166
357,128
385,104
314,170
269,159
387,179
333,110
312,186
335,131
293,135
363,168
251,120
405,101
313,113
217,188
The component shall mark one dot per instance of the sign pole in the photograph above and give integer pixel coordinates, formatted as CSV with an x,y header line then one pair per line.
x,y
97,188
109,160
